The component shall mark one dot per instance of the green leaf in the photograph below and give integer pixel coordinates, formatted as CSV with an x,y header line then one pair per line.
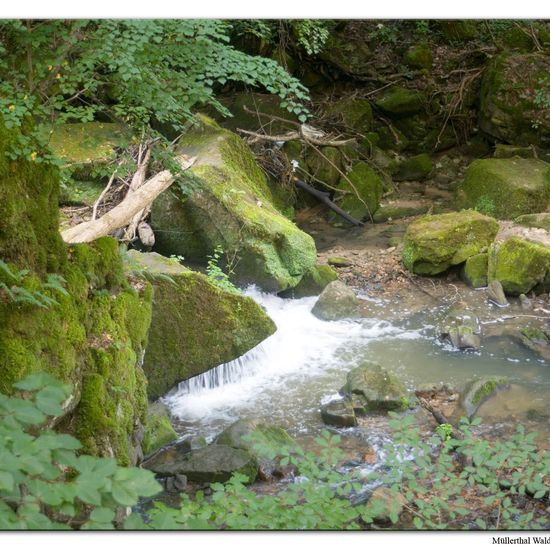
x,y
481,523
6,481
102,515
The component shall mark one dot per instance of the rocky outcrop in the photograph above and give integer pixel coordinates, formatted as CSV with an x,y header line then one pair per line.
x,y
195,324
520,265
505,188
509,109
225,201
432,244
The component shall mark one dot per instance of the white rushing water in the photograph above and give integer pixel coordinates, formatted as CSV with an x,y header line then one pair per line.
x,y
286,377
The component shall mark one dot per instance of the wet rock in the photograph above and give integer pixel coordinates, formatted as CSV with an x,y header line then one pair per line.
x,y
176,484
361,198
474,272
477,392
380,390
526,303
399,102
462,330
210,464
520,265
432,244
508,105
536,339
414,168
196,325
246,433
337,301
495,294
385,505
339,413
505,188
158,428
312,283
192,444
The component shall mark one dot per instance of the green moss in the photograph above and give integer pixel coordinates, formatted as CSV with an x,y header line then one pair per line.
x,y
541,220
457,30
511,187
400,102
434,243
360,200
520,266
418,167
419,56
355,114
326,167
158,429
486,389
475,270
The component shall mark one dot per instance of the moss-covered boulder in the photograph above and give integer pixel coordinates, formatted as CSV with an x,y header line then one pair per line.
x,y
354,113
361,197
399,209
195,325
225,201
336,302
339,413
520,265
419,56
84,146
379,390
540,220
510,109
474,271
401,102
505,188
313,282
418,167
158,429
432,244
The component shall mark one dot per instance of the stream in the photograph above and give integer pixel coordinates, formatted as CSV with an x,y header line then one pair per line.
x,y
284,380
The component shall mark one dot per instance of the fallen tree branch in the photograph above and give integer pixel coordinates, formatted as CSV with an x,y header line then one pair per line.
x,y
103,193
123,213
289,136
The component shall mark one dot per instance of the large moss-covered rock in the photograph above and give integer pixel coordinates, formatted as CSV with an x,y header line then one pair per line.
x,y
432,244
361,197
380,390
349,54
95,333
505,188
196,325
227,202
510,110
520,266
313,282
400,102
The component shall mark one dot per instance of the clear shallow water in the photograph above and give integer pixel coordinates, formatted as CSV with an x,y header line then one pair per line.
x,y
287,377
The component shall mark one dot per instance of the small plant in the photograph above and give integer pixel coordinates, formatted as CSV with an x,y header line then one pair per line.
x,y
444,431
216,274
44,482
177,258
485,205
422,27
384,34
17,294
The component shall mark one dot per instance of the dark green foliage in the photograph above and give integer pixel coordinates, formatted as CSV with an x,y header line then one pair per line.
x,y
44,482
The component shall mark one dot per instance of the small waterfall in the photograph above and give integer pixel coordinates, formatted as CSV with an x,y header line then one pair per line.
x,y
227,373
